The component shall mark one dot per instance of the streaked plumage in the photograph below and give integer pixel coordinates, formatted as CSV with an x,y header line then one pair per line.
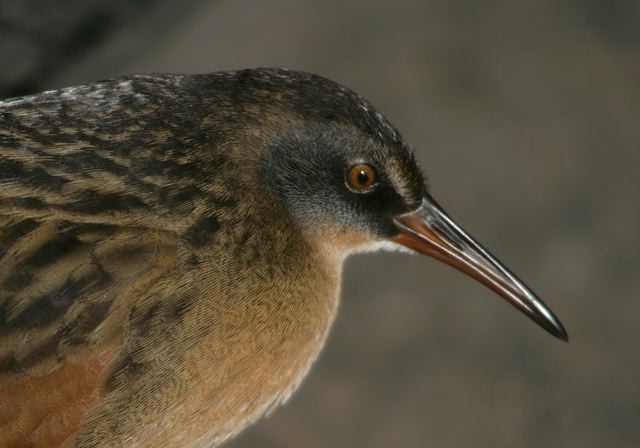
x,y
170,257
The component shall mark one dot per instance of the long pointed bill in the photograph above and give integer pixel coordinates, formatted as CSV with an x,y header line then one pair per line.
x,y
431,231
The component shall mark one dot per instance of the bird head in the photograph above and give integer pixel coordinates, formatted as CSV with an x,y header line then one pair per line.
x,y
351,183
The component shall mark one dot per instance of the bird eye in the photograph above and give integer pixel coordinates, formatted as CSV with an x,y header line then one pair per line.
x,y
360,178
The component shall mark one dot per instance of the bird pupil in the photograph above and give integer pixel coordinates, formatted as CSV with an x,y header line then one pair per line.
x,y
363,177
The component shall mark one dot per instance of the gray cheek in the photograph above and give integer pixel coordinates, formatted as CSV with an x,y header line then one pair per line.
x,y
315,208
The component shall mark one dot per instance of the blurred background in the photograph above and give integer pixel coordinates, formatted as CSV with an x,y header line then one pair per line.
x,y
526,117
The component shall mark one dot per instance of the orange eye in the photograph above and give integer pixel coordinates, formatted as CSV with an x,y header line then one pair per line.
x,y
360,178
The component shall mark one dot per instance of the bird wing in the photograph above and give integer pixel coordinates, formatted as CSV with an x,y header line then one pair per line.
x,y
91,210
66,292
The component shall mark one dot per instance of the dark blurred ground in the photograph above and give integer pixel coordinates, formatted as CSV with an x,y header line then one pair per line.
x,y
42,39
526,116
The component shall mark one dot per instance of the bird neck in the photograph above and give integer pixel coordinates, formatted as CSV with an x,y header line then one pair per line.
x,y
271,297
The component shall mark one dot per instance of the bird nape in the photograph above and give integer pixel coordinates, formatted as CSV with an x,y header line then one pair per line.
x,y
171,249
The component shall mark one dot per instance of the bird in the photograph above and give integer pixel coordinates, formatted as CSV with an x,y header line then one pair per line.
x,y
171,249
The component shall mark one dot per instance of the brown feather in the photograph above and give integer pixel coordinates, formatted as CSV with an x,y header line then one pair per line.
x,y
149,278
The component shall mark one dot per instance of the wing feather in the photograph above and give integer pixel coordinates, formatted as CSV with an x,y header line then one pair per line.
x,y
89,229
65,293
